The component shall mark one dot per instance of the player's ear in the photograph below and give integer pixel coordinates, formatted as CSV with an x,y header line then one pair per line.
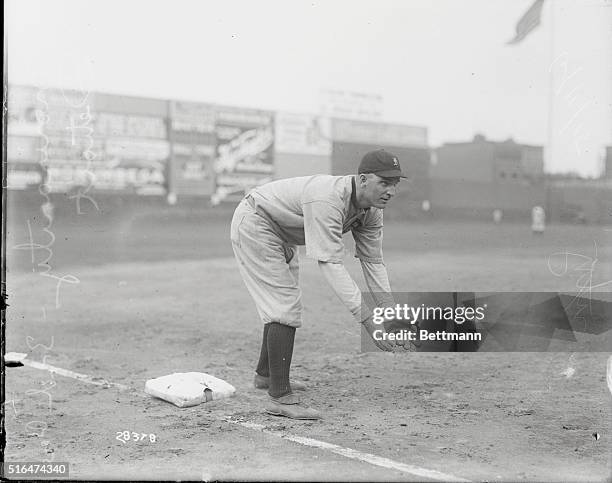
x,y
363,179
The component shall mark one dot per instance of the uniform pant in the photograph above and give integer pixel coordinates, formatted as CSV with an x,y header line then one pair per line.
x,y
269,266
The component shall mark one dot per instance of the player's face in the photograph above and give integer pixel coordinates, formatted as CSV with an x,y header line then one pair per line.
x,y
379,191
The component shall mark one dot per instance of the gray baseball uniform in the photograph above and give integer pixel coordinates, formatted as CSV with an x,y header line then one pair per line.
x,y
314,211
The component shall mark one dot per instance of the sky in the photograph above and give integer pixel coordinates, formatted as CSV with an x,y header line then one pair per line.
x,y
443,64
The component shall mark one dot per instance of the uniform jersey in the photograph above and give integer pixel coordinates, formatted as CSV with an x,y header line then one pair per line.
x,y
316,211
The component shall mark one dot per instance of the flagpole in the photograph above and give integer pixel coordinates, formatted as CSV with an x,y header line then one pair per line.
x,y
550,128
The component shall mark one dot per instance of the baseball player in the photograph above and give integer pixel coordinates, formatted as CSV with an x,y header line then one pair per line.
x,y
268,226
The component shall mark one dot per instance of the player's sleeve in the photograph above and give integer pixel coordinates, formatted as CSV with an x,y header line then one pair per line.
x,y
377,281
368,238
368,249
345,288
323,231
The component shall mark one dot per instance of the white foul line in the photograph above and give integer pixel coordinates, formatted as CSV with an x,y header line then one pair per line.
x,y
355,455
74,375
314,443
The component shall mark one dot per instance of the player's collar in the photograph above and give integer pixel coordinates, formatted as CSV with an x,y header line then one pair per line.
x,y
354,196
354,193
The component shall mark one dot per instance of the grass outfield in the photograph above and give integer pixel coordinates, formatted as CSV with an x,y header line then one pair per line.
x,y
154,298
157,235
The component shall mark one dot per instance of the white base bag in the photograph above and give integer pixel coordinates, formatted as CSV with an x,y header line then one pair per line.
x,y
184,389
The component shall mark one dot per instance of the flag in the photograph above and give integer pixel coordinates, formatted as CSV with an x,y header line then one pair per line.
x,y
528,22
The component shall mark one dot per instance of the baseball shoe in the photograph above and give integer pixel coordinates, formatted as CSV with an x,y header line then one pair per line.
x,y
261,382
290,406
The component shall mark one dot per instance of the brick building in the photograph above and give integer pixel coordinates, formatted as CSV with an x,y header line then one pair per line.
x,y
476,177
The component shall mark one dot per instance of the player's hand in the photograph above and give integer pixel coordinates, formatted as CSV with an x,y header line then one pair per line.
x,y
408,345
371,328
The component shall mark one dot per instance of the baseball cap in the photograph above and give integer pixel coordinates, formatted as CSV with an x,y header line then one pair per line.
x,y
381,163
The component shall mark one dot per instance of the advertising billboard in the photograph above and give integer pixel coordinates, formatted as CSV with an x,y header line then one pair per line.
x,y
122,104
129,142
111,124
67,139
380,134
64,177
351,105
302,134
107,142
66,113
193,148
302,145
245,149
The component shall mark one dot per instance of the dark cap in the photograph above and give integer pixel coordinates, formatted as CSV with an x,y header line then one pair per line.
x,y
382,164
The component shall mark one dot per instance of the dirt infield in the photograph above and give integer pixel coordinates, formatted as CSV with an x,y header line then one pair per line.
x,y
495,416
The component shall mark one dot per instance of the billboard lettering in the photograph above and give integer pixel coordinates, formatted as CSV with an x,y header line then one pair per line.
x,y
302,134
